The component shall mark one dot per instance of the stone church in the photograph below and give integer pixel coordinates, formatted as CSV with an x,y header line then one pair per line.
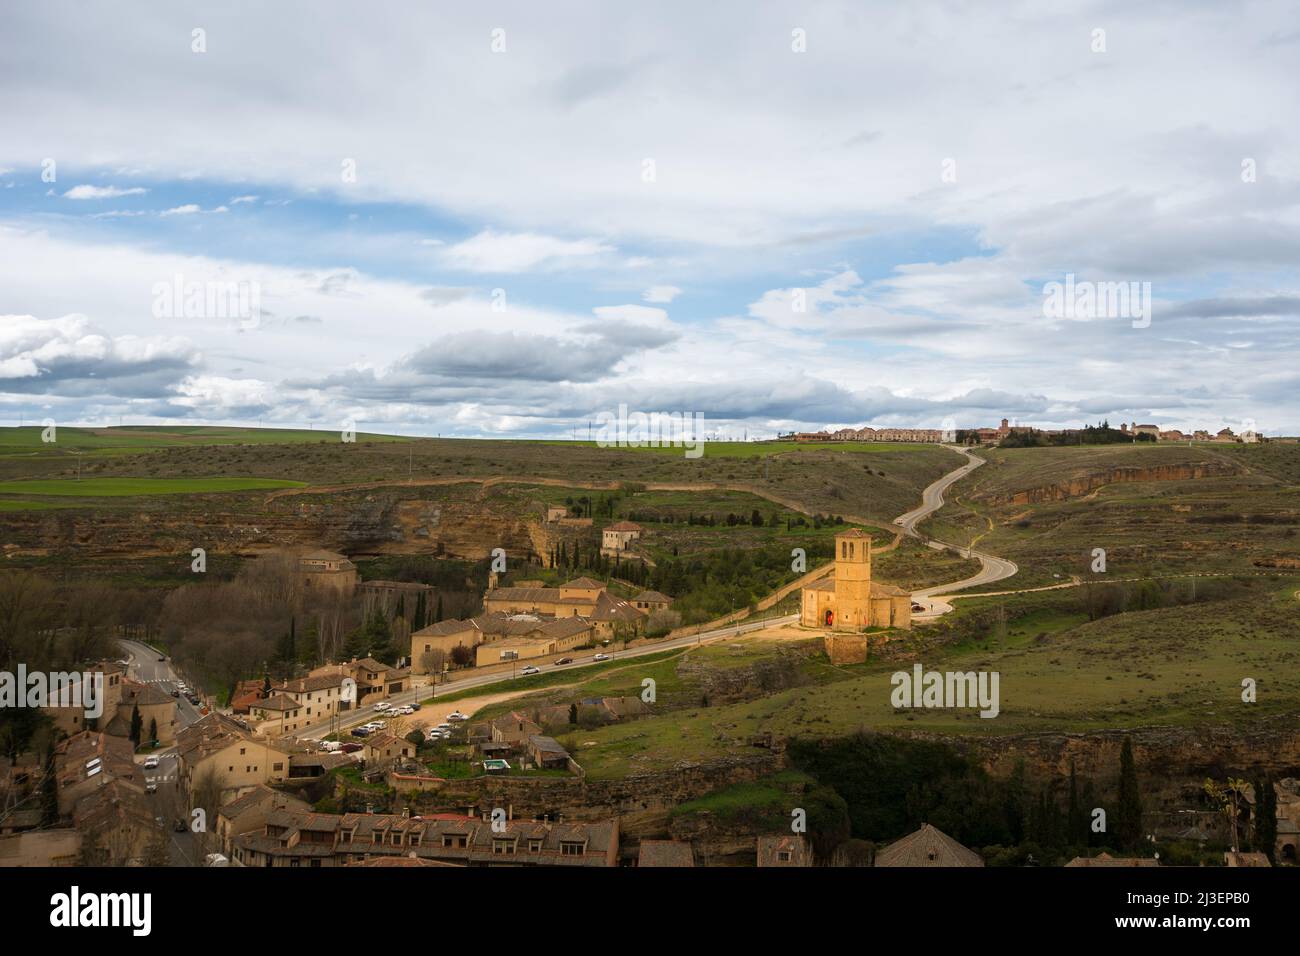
x,y
850,600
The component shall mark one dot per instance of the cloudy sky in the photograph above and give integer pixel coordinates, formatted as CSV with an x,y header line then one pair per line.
x,y
503,219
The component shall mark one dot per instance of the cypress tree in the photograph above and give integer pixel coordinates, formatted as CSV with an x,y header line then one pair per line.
x,y
1076,821
137,724
1128,816
1265,817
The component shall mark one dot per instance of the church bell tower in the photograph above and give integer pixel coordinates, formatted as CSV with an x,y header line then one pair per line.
x,y
852,580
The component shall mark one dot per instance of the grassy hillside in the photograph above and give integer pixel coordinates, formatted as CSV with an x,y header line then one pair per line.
x,y
1175,666
129,487
1210,525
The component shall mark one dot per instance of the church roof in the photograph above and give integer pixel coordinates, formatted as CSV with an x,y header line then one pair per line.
x,y
887,590
853,533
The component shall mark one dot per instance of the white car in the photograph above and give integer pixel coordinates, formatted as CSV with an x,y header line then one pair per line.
x,y
403,711
457,715
435,734
444,728
530,669
600,657
150,763
382,706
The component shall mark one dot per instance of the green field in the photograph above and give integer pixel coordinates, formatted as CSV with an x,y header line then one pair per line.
x,y
134,487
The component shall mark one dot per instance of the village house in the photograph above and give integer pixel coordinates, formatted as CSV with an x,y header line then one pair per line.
x,y
295,705
617,538
158,718
318,570
648,601
304,839
665,853
374,681
88,761
547,753
928,846
223,752
530,622
513,729
250,812
1104,859
529,637
783,850
73,720
383,750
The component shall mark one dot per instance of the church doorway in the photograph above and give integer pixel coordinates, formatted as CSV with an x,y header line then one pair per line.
x,y
830,617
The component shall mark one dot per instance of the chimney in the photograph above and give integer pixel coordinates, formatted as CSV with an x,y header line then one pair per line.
x,y
406,813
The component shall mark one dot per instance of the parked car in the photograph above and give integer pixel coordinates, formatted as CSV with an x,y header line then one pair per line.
x,y
176,693
601,657
445,728
150,786
403,711
215,859
350,748
414,705
150,762
564,660
193,699
330,746
360,732
530,669
457,715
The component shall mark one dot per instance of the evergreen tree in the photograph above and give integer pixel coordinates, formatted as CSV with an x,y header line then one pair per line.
x,y
1089,804
1265,817
137,724
1014,807
1076,821
438,613
153,730
49,792
573,713
1128,816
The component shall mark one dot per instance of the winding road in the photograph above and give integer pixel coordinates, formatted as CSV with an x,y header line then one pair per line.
x,y
992,568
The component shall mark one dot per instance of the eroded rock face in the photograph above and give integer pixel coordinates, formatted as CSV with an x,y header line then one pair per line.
x,y
1159,752
1085,484
388,521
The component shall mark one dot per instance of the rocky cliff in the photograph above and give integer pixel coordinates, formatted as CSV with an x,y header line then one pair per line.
x,y
1084,484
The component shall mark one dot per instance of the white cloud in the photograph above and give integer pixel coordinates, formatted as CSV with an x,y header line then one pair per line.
x,y
661,293
491,251
189,209
102,192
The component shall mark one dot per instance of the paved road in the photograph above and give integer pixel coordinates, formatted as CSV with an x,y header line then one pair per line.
x,y
992,568
144,666
366,713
